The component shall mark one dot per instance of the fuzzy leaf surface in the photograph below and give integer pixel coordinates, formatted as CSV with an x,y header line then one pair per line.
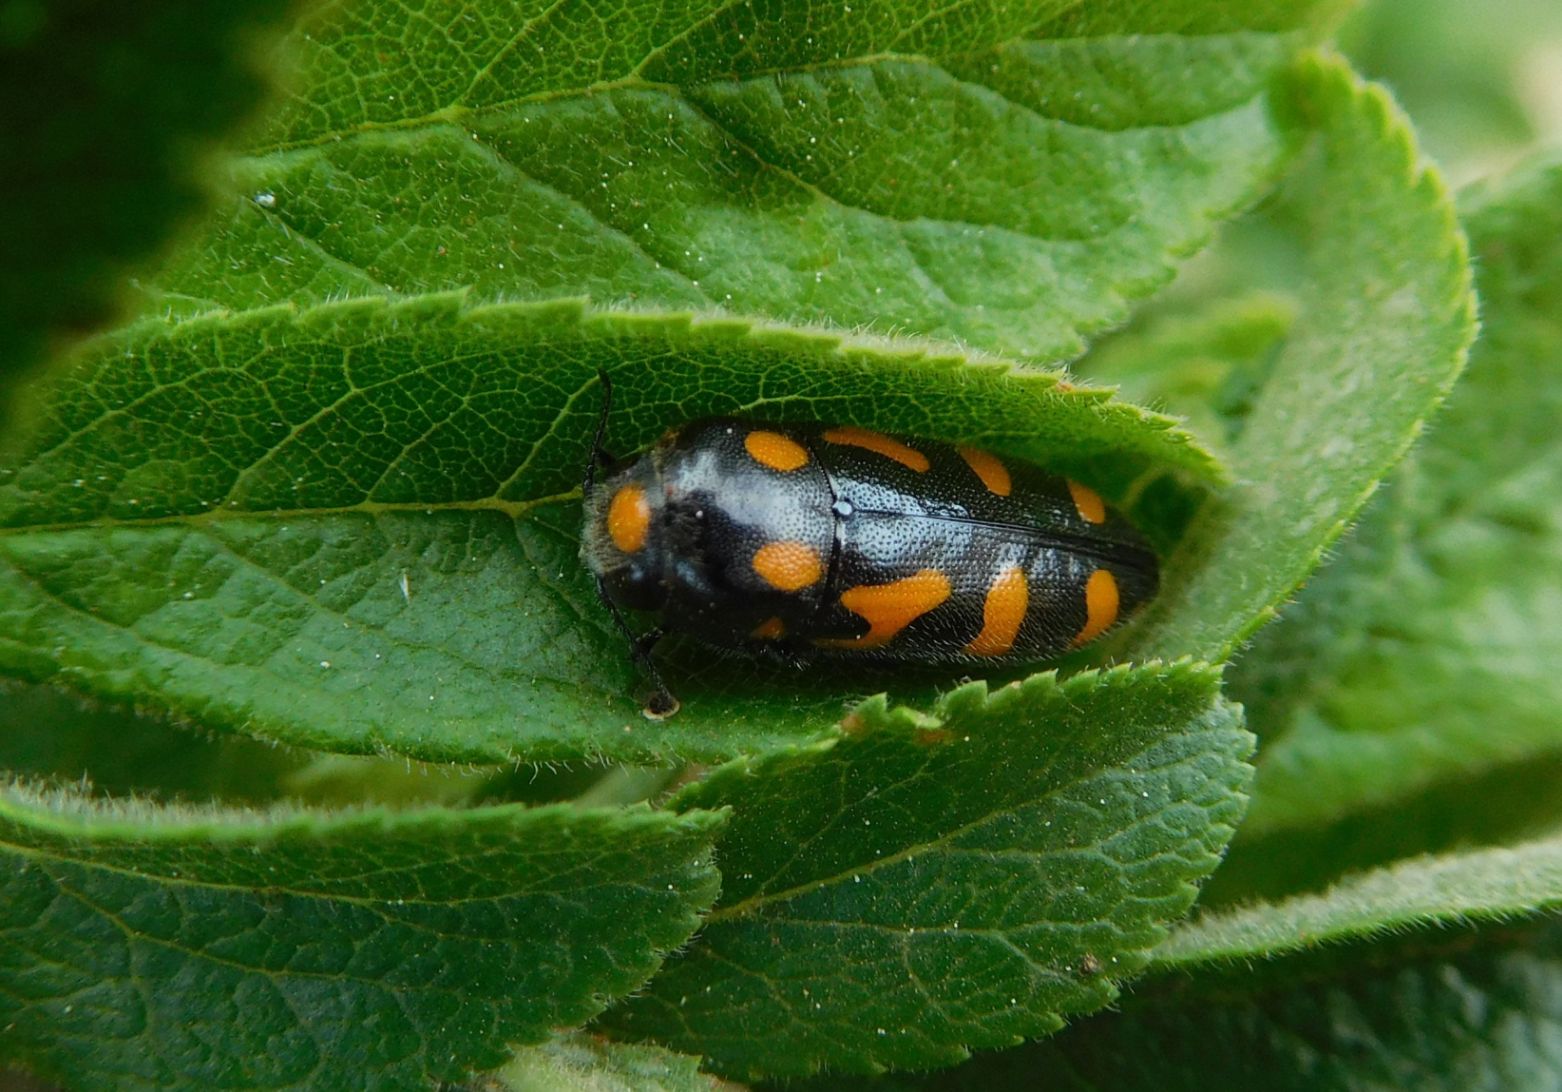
x,y
151,950
1465,1010
1441,973
1495,884
1206,366
933,883
583,1063
349,527
1010,176
1441,671
1379,337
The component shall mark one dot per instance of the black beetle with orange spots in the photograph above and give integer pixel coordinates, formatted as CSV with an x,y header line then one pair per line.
x,y
799,541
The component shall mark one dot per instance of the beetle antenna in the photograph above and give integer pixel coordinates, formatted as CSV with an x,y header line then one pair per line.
x,y
596,456
662,704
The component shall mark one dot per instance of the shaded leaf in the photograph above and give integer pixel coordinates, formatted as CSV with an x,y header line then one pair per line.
x,y
1382,982
960,879
1493,805
105,107
55,737
144,949
1481,1010
349,527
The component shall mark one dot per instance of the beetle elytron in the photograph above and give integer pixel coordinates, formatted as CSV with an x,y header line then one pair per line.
x,y
798,541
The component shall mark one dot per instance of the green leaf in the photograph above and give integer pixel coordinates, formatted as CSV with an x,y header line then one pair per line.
x,y
1476,77
380,951
1206,366
1494,884
1010,176
1480,1010
104,106
961,879
345,527
581,1063
1379,338
1425,659
52,736
1382,982
1496,805
1294,662
1205,362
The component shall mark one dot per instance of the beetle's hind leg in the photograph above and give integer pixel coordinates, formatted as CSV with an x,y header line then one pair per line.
x,y
661,704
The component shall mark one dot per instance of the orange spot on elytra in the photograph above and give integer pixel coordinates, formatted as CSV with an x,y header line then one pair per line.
x,y
1002,613
879,444
1088,502
890,608
776,451
788,566
1101,604
769,630
629,518
994,475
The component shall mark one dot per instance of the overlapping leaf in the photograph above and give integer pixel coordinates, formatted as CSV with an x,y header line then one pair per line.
x,y
1494,884
964,879
1438,673
342,527
1206,366
1478,1010
1380,337
1379,983
1006,175
366,951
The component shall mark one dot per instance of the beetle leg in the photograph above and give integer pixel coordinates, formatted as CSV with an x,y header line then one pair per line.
x,y
662,704
783,656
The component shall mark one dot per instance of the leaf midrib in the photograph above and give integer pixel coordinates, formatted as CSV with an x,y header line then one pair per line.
x,y
167,879
512,509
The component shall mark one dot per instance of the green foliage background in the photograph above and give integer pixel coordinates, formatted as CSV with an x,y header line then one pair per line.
x,y
324,768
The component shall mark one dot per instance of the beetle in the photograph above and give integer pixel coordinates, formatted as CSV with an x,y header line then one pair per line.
x,y
794,542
